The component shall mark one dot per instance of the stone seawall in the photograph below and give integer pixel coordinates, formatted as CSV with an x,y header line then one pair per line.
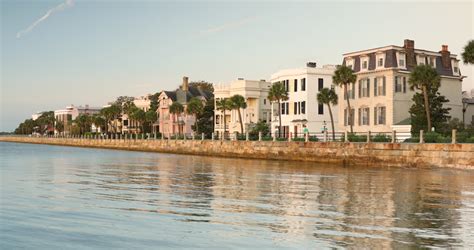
x,y
346,154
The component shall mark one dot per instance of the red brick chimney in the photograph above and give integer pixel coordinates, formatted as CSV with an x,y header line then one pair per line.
x,y
409,46
445,56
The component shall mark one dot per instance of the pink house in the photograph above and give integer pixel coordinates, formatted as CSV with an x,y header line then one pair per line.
x,y
178,124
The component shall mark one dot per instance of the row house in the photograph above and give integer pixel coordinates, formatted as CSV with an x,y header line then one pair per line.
x,y
381,98
179,124
302,108
258,105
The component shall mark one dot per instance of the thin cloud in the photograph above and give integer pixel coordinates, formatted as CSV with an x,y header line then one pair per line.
x,y
60,7
229,25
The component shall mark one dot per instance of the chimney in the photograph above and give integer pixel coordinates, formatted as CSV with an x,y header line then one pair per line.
x,y
240,78
445,57
311,65
185,85
409,46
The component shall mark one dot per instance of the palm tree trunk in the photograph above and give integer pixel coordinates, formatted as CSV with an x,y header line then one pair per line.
x,y
240,120
332,123
427,108
349,116
279,119
223,136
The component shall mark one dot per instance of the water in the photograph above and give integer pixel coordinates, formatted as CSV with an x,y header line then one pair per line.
x,y
68,198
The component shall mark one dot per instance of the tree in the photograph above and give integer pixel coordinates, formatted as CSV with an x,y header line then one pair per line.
x,y
468,54
139,115
438,114
98,121
154,101
177,109
45,122
207,86
238,102
150,117
205,119
277,94
223,105
343,77
123,99
260,126
111,113
59,126
426,79
328,97
26,127
195,107
83,122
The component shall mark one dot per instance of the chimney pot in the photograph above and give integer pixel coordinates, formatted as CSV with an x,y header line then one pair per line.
x,y
311,64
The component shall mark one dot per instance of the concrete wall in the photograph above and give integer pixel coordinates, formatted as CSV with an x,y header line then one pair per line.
x,y
346,154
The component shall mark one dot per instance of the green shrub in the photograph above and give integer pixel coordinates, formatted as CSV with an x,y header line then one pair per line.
x,y
433,137
381,138
356,138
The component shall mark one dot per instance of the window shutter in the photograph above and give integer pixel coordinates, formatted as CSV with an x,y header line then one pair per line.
x,y
395,84
360,87
383,87
375,116
368,87
368,115
345,117
375,86
359,116
404,84
353,90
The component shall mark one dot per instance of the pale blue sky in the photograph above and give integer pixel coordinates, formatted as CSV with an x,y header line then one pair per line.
x,y
93,51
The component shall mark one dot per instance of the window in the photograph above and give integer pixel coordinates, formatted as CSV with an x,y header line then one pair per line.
x,y
380,62
295,108
287,85
320,84
303,107
401,63
303,84
287,108
264,101
320,109
346,117
431,61
456,69
283,107
350,91
379,115
125,122
400,84
364,64
364,87
379,86
296,85
364,116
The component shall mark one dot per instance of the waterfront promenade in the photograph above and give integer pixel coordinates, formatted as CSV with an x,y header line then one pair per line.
x,y
340,153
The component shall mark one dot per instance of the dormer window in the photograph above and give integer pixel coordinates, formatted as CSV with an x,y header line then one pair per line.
x,y
401,59
455,67
380,62
364,64
401,62
350,62
431,61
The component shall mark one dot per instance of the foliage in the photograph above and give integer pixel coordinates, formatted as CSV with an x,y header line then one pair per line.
x,y
277,94
195,107
207,86
154,101
111,113
260,126
205,119
45,122
328,97
26,127
83,122
468,54
176,108
59,126
237,102
352,137
343,77
381,138
224,105
121,100
439,115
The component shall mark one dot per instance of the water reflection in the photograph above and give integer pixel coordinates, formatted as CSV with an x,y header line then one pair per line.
x,y
228,201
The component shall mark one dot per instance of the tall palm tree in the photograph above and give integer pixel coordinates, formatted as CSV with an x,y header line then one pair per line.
x,y
98,121
343,77
328,97
468,54
277,94
139,115
176,109
223,105
195,107
425,77
238,102
111,113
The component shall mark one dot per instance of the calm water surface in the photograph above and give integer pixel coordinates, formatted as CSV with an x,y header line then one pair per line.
x,y
69,198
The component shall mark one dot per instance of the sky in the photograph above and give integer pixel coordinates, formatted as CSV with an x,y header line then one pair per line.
x,y
61,52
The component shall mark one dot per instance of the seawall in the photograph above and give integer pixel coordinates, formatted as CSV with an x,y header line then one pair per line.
x,y
345,154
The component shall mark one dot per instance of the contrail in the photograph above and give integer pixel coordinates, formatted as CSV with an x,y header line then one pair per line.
x,y
228,25
60,7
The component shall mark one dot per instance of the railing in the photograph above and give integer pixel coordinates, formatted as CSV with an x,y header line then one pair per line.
x,y
357,137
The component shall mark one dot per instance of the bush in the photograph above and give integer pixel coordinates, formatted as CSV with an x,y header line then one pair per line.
x,y
356,138
433,137
381,138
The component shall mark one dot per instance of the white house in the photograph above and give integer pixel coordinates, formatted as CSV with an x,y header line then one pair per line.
x,y
302,108
258,105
